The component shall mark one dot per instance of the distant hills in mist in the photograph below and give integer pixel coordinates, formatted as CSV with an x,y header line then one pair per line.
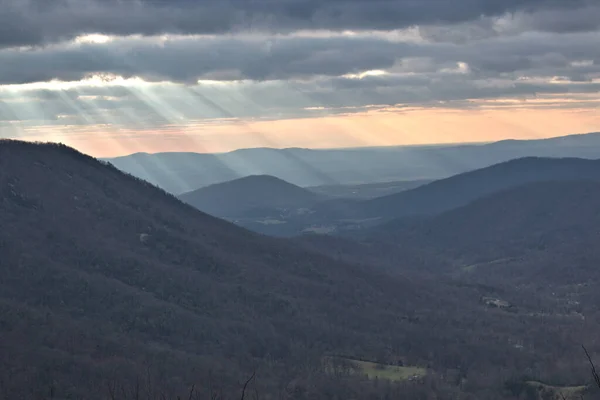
x,y
272,206
251,194
183,172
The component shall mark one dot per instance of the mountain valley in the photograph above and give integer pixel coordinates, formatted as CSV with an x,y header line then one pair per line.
x,y
108,280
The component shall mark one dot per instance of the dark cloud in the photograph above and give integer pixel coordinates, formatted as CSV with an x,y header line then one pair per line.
x,y
303,58
33,22
523,55
187,60
561,21
576,19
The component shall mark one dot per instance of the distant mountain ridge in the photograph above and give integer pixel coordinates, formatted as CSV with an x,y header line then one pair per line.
x,y
459,190
184,172
339,215
367,190
241,196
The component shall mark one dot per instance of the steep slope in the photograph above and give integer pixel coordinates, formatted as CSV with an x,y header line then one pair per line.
x,y
241,196
183,172
541,233
531,249
104,278
458,190
547,231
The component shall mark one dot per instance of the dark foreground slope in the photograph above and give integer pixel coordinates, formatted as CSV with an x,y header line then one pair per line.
x,y
107,279
103,275
253,193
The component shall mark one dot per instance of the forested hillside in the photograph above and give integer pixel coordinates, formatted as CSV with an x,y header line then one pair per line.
x,y
249,196
107,281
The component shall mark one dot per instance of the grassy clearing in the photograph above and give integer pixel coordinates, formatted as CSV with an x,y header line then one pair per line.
x,y
382,371
322,230
473,267
272,222
558,392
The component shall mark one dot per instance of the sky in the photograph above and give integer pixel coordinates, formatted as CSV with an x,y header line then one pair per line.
x,y
113,77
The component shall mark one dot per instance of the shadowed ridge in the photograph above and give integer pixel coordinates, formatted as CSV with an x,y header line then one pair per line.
x,y
104,272
256,192
458,190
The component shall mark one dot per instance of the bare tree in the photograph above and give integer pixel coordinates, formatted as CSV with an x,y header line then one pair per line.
x,y
592,366
246,385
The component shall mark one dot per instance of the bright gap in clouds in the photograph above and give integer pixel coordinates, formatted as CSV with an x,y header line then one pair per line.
x,y
93,38
122,130
376,72
96,80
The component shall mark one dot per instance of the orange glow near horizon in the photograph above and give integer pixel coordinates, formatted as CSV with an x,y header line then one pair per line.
x,y
373,128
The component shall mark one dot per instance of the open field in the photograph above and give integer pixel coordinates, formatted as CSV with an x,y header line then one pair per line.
x,y
381,371
558,392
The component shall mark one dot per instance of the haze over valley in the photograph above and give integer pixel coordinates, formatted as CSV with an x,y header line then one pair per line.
x,y
183,172
273,206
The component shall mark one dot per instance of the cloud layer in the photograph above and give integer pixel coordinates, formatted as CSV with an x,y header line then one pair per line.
x,y
240,59
572,56
32,22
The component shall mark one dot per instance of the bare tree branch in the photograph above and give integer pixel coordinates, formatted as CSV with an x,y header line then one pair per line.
x,y
256,396
111,390
593,367
192,390
246,385
137,388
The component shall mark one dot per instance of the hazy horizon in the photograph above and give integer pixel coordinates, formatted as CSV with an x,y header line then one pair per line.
x,y
110,146
151,76
449,144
